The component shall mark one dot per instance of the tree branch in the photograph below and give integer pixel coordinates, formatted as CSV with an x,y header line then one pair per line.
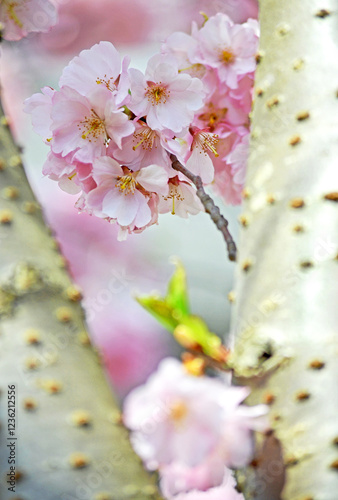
x,y
209,206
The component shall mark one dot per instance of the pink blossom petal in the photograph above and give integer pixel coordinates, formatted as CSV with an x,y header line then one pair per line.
x,y
154,179
24,16
117,206
201,164
143,215
105,169
40,107
102,61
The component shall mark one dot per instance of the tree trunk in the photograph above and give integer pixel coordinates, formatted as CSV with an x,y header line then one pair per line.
x,y
68,442
285,316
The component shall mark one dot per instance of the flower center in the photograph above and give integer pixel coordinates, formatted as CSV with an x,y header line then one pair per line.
x,y
173,195
213,116
197,70
110,83
126,184
178,411
207,142
92,127
145,137
157,93
226,56
12,14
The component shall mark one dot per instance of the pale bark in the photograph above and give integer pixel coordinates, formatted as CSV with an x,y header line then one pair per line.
x,y
44,351
285,316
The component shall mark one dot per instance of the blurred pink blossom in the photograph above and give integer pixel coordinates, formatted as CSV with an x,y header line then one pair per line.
x,y
176,417
82,24
226,491
198,483
21,17
238,10
179,478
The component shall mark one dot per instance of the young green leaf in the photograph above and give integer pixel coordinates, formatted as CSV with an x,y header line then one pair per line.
x,y
177,294
160,309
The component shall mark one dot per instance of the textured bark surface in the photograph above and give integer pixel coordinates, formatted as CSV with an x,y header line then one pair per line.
x,y
285,318
70,444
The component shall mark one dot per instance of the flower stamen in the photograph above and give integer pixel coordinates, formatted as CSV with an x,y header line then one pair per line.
x,y
213,116
126,184
110,83
226,56
93,127
178,412
157,93
173,195
146,136
206,141
12,14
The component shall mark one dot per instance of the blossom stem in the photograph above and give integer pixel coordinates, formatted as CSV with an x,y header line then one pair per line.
x,y
209,206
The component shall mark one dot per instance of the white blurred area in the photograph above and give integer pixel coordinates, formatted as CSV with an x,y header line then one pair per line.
x,y
142,263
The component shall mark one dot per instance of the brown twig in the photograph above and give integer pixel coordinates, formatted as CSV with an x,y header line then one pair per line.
x,y
209,205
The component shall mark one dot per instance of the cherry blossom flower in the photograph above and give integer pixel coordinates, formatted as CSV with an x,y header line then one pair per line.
x,y
61,170
21,17
180,478
165,96
144,147
85,125
226,491
122,194
72,176
229,106
177,417
212,114
183,47
181,199
100,65
229,48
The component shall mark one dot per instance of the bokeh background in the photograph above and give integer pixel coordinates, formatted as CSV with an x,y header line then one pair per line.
x,y
111,273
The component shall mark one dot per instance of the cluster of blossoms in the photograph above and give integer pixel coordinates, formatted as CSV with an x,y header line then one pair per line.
x,y
193,430
20,17
112,130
